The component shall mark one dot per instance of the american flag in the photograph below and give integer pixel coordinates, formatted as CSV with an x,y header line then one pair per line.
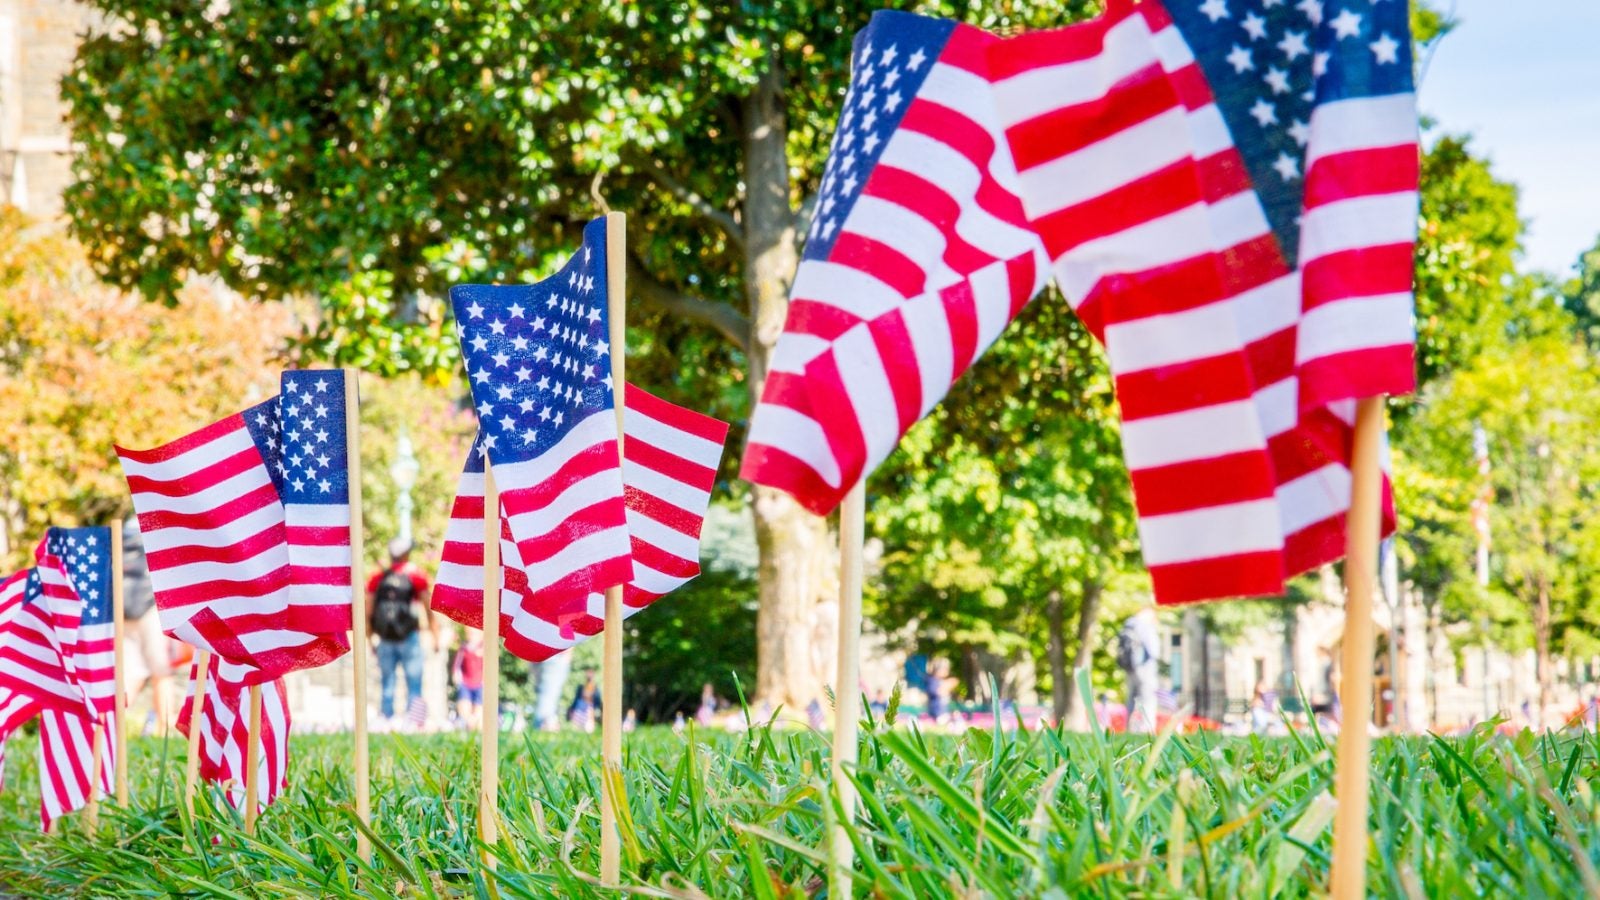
x,y
225,731
16,707
31,661
539,360
246,525
671,458
1239,333
66,758
56,650
79,559
919,198
33,672
1228,191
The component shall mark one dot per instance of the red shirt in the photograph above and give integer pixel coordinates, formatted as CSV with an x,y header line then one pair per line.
x,y
419,580
469,666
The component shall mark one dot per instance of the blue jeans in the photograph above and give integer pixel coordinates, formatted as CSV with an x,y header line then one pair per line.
x,y
405,654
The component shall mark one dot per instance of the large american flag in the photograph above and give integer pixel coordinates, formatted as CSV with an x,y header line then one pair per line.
x,y
1243,304
1228,193
246,525
670,466
539,360
918,198
225,731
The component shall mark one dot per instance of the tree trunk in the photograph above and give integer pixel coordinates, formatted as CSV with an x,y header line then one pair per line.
x,y
1060,688
1541,638
798,577
1088,615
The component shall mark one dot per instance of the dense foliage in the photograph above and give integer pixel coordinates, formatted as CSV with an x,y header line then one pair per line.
x,y
84,366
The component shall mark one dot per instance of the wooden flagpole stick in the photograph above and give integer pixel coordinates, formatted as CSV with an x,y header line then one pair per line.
x,y
91,808
358,608
489,728
252,762
611,786
1355,690
846,689
191,769
118,673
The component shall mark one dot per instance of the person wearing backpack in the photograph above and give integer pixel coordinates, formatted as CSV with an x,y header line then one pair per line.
x,y
1138,650
397,603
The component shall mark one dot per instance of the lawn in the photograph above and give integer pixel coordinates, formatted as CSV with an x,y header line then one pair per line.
x,y
1028,814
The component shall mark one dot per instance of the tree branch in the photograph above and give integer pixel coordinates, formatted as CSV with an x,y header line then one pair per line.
x,y
720,217
728,322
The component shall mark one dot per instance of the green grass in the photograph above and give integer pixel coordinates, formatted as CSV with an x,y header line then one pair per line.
x,y
1034,814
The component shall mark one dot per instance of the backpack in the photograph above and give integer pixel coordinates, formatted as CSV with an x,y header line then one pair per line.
x,y
392,619
1129,651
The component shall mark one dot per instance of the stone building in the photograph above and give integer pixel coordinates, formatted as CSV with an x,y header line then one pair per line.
x,y
37,41
1446,679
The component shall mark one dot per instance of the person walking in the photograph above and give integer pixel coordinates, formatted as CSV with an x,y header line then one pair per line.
x,y
397,597
708,705
1138,647
585,706
150,646
468,675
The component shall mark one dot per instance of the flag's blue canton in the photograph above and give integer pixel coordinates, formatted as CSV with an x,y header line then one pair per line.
x,y
892,58
261,421
311,432
538,355
34,592
85,554
1269,62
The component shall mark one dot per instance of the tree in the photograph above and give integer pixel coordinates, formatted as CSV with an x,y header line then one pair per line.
x,y
84,366
1008,513
1581,295
370,153
1539,401
440,430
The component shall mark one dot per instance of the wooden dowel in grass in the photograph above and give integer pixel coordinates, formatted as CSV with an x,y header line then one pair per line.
x,y
358,610
91,807
489,729
191,768
118,673
611,785
252,762
846,690
1354,757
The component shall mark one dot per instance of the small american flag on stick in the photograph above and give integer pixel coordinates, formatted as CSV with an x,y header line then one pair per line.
x,y
246,524
919,197
539,361
1227,190
670,464
56,650
225,731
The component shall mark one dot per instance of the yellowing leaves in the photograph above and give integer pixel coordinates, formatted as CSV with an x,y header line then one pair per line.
x,y
84,367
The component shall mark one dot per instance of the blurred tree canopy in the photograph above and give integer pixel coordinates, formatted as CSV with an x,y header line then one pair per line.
x,y
84,366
